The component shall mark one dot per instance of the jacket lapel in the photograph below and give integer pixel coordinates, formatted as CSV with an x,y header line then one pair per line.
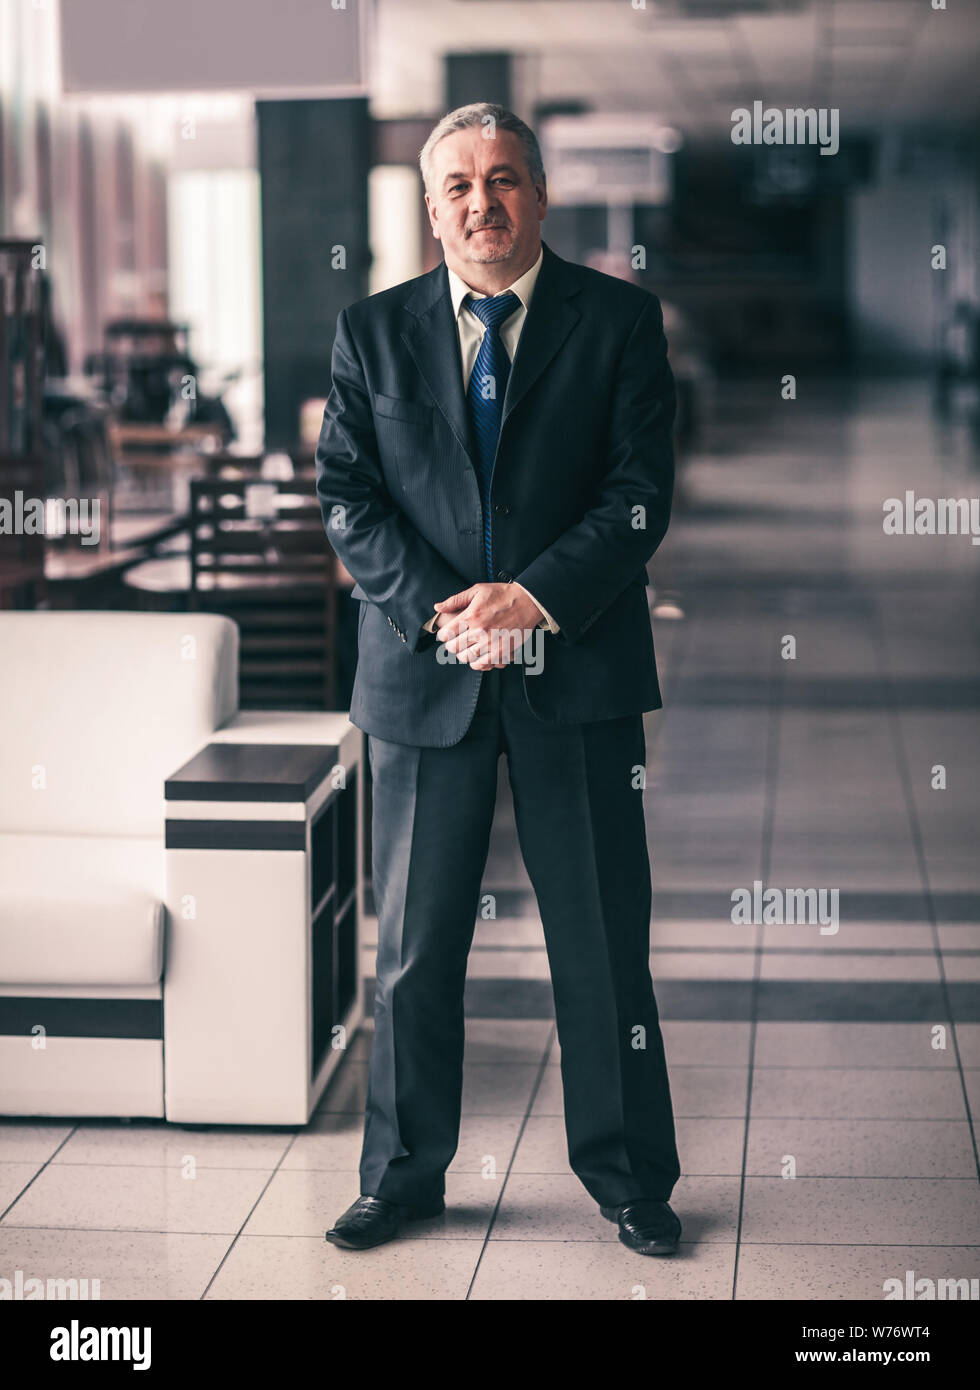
x,y
549,321
433,340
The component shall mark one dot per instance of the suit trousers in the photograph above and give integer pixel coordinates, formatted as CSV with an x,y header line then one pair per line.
x,y
580,824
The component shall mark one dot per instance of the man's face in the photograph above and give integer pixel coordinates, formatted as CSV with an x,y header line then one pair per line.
x,y
482,204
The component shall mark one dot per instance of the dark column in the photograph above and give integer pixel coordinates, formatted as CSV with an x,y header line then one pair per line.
x,y
477,77
314,158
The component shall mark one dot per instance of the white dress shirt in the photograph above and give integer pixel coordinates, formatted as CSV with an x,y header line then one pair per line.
x,y
471,331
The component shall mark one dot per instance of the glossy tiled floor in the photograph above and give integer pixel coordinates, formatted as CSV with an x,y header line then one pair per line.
x,y
851,1058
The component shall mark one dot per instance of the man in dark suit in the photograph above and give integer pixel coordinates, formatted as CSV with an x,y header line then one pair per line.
x,y
495,469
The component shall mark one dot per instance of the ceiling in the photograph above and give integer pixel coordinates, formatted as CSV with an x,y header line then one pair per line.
x,y
880,62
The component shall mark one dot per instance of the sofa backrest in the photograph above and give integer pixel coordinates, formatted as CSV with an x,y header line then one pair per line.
x,y
98,709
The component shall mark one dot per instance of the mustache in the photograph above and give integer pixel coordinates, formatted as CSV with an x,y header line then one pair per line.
x,y
485,226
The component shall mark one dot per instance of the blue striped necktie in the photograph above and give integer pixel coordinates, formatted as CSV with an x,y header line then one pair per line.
x,y
485,396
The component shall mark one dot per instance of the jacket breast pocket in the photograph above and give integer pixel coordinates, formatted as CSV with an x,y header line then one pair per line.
x,y
404,433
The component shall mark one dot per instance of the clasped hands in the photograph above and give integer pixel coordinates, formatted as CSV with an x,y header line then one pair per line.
x,y
486,624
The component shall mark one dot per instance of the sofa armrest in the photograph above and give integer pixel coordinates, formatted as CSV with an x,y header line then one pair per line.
x,y
246,780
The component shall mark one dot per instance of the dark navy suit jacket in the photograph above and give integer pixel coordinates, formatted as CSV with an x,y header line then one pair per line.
x,y
581,495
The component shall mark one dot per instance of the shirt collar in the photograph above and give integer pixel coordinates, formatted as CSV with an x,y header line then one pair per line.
x,y
523,287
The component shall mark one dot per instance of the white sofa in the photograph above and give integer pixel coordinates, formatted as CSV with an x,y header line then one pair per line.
x,y
97,711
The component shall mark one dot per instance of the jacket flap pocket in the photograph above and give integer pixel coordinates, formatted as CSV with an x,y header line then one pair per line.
x,y
396,409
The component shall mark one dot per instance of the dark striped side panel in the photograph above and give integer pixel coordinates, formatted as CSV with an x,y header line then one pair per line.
x,y
81,1018
235,834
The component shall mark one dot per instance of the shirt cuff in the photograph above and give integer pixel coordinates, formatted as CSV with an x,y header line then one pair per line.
x,y
547,620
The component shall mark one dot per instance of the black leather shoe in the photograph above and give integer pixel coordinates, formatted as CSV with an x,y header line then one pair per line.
x,y
373,1220
647,1226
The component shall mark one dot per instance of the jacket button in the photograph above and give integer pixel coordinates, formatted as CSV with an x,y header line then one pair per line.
x,y
504,577
502,509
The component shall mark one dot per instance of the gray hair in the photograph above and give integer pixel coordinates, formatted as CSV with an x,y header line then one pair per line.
x,y
484,113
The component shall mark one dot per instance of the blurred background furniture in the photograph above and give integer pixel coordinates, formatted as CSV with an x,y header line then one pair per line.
x,y
78,464
149,376
162,419
22,581
257,551
208,926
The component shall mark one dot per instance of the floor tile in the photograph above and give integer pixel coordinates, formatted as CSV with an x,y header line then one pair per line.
x,y
506,1040
498,1088
836,1093
14,1177
709,935
510,931
828,1272
701,965
346,1092
359,1049
295,1267
961,967
830,964
526,964
90,1196
848,1000
862,1148
161,1145
704,1043
971,1081
127,1264
545,1271
865,936
860,1211
968,1039
959,936
852,1045
32,1141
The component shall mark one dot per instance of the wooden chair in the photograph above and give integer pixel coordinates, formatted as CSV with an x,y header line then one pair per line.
x,y
22,580
259,554
23,584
